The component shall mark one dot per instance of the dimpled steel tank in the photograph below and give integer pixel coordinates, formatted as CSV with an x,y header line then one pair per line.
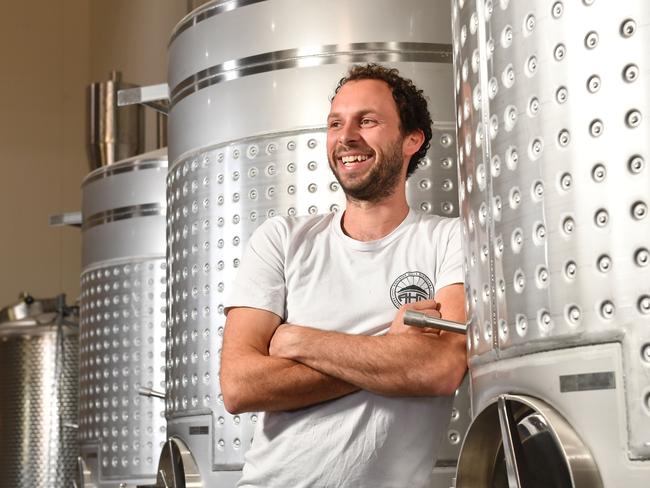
x,y
552,104
122,329
247,142
39,391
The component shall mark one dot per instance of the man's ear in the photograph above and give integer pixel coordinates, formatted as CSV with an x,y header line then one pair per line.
x,y
413,142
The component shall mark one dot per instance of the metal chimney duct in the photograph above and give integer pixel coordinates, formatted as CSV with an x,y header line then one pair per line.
x,y
113,135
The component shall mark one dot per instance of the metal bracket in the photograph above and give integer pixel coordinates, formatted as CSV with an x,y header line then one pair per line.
x,y
153,96
72,219
150,392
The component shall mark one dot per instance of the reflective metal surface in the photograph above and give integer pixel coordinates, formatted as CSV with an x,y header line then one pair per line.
x,y
113,134
206,9
419,319
375,52
27,306
123,213
39,391
550,454
177,468
247,142
553,147
123,322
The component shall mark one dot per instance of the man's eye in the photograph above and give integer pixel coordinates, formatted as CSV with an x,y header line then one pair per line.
x,y
367,121
334,124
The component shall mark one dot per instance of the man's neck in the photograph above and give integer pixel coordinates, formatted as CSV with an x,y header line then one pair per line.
x,y
366,221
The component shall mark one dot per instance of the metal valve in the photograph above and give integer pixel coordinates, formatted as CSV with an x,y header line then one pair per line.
x,y
419,319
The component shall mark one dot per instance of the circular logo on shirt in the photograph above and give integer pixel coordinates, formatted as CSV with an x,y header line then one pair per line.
x,y
410,287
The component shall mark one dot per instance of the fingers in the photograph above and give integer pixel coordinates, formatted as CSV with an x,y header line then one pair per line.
x,y
423,305
431,330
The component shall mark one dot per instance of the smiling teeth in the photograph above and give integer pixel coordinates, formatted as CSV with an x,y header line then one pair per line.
x,y
352,159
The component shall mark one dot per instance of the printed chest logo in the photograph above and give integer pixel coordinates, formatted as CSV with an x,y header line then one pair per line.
x,y
410,287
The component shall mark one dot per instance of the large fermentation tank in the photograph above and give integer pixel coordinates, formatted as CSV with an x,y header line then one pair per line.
x,y
250,84
39,392
122,328
553,141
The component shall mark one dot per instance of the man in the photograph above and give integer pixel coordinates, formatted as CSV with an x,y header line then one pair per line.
x,y
314,337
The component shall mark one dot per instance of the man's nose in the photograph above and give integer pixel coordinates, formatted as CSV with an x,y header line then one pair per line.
x,y
349,133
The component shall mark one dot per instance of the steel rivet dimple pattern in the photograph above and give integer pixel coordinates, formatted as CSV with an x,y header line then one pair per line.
x,y
631,73
642,257
596,128
645,353
601,218
644,304
599,173
562,95
593,83
570,270
628,28
607,309
633,118
120,351
639,210
591,40
574,314
557,10
636,164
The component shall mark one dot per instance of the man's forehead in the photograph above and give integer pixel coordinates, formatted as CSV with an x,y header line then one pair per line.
x,y
362,95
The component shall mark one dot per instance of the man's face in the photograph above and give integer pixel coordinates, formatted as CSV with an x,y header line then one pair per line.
x,y
364,143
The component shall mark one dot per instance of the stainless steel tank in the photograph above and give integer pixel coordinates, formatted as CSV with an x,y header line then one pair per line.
x,y
250,84
552,100
122,329
39,391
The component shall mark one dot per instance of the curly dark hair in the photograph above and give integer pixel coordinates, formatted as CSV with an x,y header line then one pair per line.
x,y
411,104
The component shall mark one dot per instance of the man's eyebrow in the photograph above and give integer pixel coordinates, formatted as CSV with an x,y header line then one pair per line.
x,y
358,113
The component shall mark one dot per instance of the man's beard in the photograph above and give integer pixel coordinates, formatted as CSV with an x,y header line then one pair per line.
x,y
381,180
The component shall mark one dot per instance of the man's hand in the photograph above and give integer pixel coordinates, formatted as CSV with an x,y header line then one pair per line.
x,y
429,307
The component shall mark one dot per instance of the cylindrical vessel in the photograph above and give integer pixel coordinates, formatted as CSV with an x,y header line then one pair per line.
x,y
114,133
39,391
247,142
122,329
552,100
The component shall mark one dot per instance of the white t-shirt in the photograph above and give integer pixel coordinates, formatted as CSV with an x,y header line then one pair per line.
x,y
307,271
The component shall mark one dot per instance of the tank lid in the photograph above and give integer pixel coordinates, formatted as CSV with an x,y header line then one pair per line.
x,y
26,307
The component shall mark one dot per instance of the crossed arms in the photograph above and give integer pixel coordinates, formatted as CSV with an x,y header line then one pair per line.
x,y
269,366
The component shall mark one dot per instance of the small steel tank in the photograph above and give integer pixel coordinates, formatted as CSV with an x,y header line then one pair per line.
x,y
247,142
39,390
552,100
122,328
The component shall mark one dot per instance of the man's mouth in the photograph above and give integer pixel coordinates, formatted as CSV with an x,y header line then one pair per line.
x,y
353,160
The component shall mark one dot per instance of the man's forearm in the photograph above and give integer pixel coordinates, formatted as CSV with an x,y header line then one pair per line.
x,y
264,383
394,365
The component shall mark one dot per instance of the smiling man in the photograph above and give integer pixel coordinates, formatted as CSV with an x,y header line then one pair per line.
x,y
315,338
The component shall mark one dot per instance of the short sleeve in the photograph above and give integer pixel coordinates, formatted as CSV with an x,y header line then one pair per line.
x,y
260,280
449,269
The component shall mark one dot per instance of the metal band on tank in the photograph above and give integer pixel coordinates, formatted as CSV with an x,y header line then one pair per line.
x,y
116,169
383,52
123,213
487,157
207,11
